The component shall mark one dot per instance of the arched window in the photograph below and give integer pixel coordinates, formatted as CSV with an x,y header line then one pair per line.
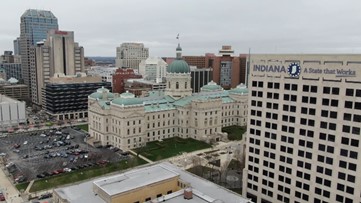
x,y
177,85
185,85
169,84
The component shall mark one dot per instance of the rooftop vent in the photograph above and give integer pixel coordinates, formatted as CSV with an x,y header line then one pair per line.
x,y
188,194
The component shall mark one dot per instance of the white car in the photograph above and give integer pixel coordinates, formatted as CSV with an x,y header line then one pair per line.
x,y
42,135
26,142
67,169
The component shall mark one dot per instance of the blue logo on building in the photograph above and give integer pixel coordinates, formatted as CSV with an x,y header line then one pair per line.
x,y
294,70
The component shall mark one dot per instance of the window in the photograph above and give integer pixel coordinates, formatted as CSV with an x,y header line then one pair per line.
x,y
335,90
349,92
326,90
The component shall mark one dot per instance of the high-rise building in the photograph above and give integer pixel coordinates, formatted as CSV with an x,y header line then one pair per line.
x,y
17,46
229,70
10,65
304,123
34,26
129,55
200,77
58,54
154,69
199,61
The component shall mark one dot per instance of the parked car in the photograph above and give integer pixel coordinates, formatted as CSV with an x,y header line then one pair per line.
x,y
40,176
45,196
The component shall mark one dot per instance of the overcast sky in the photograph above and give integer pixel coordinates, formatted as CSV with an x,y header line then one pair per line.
x,y
265,26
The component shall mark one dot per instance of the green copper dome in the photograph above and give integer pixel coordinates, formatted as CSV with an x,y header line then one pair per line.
x,y
178,66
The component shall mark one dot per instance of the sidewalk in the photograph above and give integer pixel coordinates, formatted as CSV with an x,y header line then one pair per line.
x,y
11,194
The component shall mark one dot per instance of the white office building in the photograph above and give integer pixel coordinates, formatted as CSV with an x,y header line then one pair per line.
x,y
153,69
12,112
304,123
129,55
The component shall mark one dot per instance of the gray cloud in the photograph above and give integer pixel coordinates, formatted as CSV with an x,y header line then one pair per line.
x,y
277,26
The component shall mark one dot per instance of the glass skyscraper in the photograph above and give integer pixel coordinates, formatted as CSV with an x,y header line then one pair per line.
x,y
34,26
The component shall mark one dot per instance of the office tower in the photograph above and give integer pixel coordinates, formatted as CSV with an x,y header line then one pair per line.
x,y
34,26
10,65
129,55
229,70
200,77
199,61
153,69
17,46
66,97
58,54
304,129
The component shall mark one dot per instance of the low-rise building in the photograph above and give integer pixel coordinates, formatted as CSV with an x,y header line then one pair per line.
x,y
14,90
120,77
105,72
12,112
162,182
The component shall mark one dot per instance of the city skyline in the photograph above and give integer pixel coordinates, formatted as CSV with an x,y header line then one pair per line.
x,y
289,27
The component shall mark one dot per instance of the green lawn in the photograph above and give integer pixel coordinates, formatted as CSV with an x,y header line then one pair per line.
x,y
235,132
22,186
84,127
79,175
170,147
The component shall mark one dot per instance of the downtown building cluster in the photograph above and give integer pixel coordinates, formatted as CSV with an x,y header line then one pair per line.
x,y
127,122
303,112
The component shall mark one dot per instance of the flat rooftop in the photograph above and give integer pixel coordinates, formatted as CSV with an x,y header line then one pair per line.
x,y
5,99
134,179
204,191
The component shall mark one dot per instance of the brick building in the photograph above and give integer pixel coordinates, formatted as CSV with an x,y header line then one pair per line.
x,y
119,78
229,70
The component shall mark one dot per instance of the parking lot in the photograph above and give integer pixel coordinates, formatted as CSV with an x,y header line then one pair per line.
x,y
37,154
